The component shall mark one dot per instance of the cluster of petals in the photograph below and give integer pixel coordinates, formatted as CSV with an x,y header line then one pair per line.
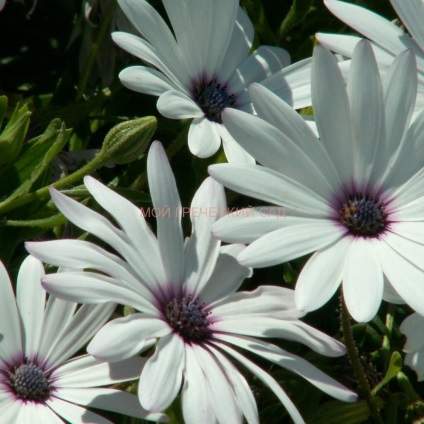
x,y
387,38
41,381
189,312
354,196
202,65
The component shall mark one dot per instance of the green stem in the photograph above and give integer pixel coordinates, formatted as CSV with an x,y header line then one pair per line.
x,y
171,151
406,387
43,193
95,49
389,329
356,363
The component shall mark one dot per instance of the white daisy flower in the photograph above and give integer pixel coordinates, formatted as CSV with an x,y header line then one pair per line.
x,y
388,40
412,327
187,302
39,381
354,196
202,65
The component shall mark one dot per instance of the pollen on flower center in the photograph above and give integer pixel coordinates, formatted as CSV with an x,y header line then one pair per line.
x,y
363,215
213,98
29,382
188,318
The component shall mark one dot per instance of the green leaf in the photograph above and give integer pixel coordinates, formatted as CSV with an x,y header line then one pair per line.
x,y
13,135
3,108
395,366
33,161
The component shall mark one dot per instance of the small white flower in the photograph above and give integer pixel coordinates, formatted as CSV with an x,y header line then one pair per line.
x,y
203,66
187,302
412,327
39,381
388,40
355,196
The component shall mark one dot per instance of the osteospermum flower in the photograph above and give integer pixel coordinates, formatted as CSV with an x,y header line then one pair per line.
x,y
354,196
412,327
187,302
388,39
40,382
202,66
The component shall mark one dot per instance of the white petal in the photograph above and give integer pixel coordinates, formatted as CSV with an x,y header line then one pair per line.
x,y
145,80
10,329
203,138
321,276
149,23
412,327
268,185
239,47
332,111
262,63
202,249
87,287
289,243
267,301
296,364
77,332
162,375
31,300
226,278
268,380
222,396
74,413
400,92
247,225
176,105
233,151
292,84
144,255
275,150
410,12
88,372
144,50
373,26
367,108
242,391
164,193
407,279
195,398
109,400
123,338
362,280
79,254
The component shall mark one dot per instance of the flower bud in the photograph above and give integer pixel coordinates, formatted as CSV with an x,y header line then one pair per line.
x,y
127,141
14,133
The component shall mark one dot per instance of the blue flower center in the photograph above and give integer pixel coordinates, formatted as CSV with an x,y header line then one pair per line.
x,y
363,215
213,98
29,382
188,319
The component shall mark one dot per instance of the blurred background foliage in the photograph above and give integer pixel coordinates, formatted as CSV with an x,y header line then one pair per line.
x,y
60,98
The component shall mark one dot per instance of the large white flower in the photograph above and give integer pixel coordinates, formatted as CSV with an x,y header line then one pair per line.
x,y
354,196
203,66
412,327
39,381
187,302
388,39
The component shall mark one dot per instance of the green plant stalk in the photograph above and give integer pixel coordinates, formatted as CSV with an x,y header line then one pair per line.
x,y
389,329
43,193
356,363
95,49
406,387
